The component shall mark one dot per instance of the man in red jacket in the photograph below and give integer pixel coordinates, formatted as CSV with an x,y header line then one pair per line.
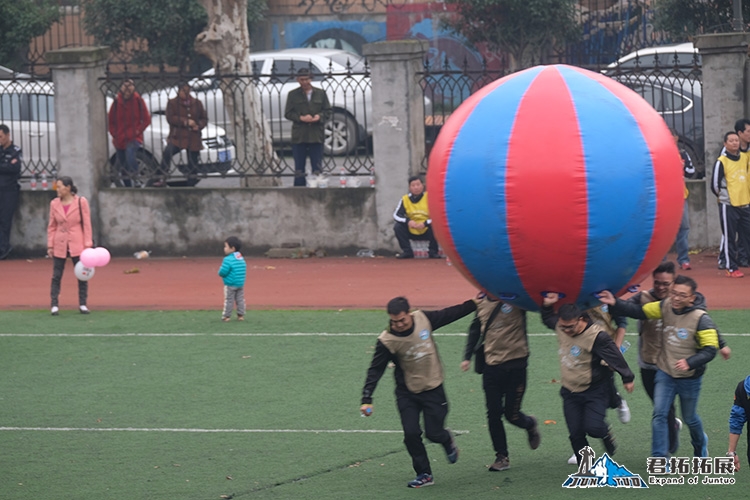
x,y
128,118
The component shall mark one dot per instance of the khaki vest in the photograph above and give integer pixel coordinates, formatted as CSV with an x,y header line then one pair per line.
x,y
505,338
600,315
418,212
651,334
575,357
417,355
736,176
678,339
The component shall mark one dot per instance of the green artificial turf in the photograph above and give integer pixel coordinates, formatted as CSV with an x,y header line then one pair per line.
x,y
114,405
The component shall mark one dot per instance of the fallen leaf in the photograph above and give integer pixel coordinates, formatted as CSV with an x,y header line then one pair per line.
x,y
246,357
548,422
269,267
134,270
229,477
226,496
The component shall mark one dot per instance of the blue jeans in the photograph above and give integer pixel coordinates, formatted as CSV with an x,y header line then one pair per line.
x,y
681,243
665,391
128,162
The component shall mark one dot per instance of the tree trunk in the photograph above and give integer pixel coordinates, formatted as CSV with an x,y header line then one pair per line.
x,y
226,42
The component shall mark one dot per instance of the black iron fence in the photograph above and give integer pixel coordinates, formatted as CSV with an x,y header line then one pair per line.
x,y
670,81
231,146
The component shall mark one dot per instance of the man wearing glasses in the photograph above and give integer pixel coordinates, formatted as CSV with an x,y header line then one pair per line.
x,y
409,344
583,345
689,340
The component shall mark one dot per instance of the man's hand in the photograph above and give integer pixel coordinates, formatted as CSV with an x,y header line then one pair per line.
x,y
365,410
606,297
629,386
725,352
306,118
415,225
550,298
736,462
465,365
682,365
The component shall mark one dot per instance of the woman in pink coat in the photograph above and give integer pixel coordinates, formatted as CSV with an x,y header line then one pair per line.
x,y
68,234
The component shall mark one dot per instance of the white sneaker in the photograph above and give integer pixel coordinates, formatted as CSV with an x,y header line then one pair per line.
x,y
83,309
624,412
572,460
679,424
54,311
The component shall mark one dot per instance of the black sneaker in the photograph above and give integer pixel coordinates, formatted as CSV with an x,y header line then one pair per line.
x,y
610,444
423,479
501,463
405,255
535,439
453,453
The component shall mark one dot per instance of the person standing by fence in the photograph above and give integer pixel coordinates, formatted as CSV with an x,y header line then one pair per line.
x,y
10,171
128,118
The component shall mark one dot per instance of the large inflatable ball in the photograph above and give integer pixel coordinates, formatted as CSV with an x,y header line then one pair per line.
x,y
555,179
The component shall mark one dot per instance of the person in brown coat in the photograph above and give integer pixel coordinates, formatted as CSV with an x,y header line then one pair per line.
x,y
186,117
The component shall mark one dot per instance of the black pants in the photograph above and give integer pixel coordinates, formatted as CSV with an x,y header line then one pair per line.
x,y
503,392
166,160
8,205
403,236
615,400
300,152
648,376
735,224
434,406
585,414
58,266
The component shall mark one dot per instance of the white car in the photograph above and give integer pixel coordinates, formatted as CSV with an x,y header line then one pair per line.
x,y
684,54
28,109
350,95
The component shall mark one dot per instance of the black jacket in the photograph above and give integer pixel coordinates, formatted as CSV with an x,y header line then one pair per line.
x,y
10,167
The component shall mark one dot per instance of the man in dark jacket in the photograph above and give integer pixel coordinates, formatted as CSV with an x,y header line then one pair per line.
x,y
186,117
498,336
10,171
738,417
409,343
583,345
308,109
689,340
128,118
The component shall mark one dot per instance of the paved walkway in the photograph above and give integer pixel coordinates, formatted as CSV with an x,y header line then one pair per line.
x,y
316,283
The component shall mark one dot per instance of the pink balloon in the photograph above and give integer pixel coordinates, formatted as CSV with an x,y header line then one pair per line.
x,y
88,257
102,256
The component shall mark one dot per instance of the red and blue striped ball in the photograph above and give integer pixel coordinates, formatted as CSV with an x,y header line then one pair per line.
x,y
555,179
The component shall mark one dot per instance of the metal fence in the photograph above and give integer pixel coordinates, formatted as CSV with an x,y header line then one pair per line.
x,y
671,82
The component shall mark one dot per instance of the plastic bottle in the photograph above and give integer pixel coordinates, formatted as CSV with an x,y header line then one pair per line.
x,y
33,181
372,177
342,178
45,185
625,346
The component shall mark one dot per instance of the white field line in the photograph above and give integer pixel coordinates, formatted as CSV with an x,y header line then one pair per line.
x,y
298,334
206,431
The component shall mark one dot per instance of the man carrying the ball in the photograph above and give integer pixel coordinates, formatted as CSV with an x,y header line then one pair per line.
x,y
408,343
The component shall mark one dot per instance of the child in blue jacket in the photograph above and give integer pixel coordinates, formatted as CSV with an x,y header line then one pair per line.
x,y
233,270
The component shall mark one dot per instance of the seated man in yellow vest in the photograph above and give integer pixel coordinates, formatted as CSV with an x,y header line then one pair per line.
x,y
413,221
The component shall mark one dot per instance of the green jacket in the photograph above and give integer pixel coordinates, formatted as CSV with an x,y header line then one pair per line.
x,y
298,105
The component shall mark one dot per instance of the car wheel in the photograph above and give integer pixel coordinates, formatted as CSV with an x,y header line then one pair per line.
x,y
340,135
147,169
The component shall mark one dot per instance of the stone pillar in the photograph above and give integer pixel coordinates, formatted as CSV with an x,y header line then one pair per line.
x,y
398,125
80,119
725,99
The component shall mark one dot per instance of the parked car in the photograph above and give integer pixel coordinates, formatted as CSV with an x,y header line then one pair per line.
x,y
682,54
350,95
28,108
680,102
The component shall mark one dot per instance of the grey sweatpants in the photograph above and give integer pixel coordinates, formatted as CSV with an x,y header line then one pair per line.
x,y
232,295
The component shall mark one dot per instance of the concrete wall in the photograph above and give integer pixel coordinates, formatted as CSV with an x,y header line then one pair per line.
x,y
196,221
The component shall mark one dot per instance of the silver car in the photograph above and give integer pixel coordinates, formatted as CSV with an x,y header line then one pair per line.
x,y
343,75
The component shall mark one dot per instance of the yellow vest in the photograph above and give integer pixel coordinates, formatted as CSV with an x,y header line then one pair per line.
x,y
418,212
735,174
